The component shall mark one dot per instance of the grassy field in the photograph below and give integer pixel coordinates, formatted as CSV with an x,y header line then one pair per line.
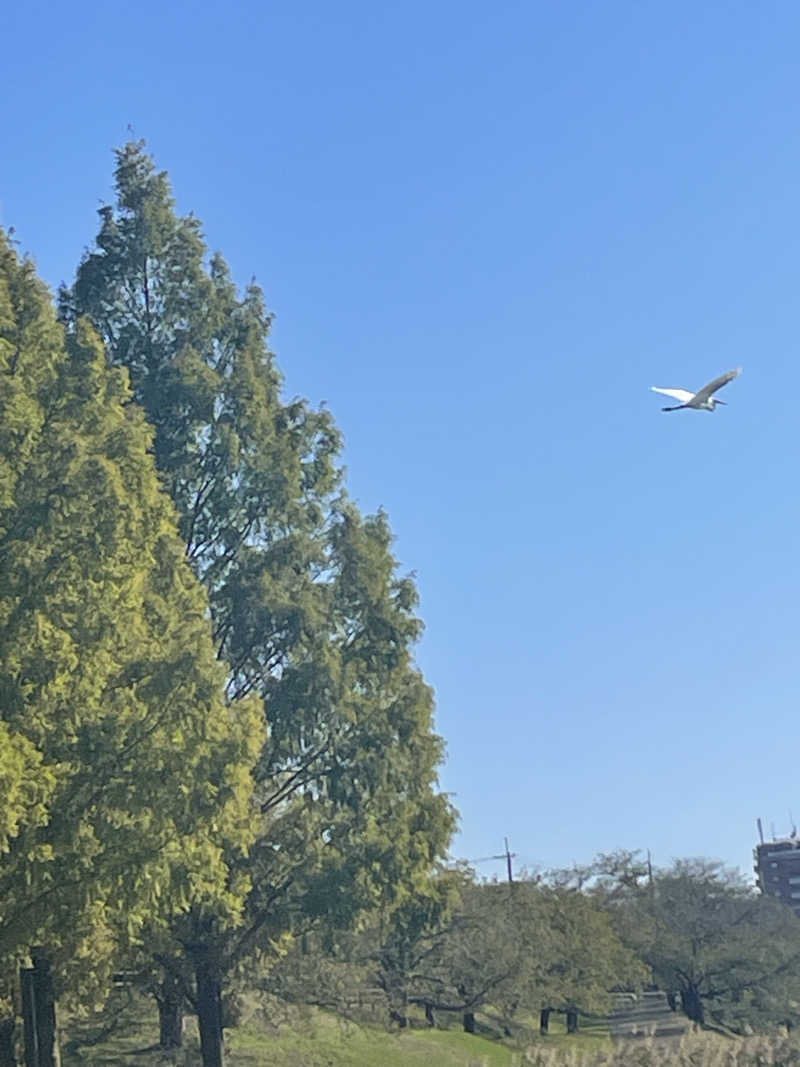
x,y
311,1038
274,1036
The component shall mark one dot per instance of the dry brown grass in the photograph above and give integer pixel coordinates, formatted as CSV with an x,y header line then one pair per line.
x,y
693,1050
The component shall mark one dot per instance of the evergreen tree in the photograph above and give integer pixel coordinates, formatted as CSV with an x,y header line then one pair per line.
x,y
307,609
122,769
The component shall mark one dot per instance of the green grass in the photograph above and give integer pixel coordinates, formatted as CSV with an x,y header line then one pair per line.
x,y
333,1044
306,1038
276,1036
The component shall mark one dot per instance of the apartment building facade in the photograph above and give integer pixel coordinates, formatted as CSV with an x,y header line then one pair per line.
x,y
777,867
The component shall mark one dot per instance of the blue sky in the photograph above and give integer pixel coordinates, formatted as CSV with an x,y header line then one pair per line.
x,y
486,230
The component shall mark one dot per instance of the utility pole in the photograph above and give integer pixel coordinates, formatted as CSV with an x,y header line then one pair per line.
x,y
508,862
508,856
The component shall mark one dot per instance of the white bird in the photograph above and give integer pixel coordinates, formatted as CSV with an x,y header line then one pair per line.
x,y
703,399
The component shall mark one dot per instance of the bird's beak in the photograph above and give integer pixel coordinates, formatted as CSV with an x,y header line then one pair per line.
x,y
723,402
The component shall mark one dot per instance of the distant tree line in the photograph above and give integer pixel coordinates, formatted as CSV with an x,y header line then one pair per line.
x,y
565,942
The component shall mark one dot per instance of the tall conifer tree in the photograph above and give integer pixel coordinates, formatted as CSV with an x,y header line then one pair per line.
x,y
307,608
122,769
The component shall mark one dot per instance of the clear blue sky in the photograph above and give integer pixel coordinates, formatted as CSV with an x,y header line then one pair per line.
x,y
486,230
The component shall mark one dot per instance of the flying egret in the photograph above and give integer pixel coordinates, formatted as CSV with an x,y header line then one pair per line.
x,y
703,400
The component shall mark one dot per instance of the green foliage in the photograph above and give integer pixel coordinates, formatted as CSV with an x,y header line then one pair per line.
x,y
122,770
589,959
411,934
522,947
457,946
484,950
307,610
732,954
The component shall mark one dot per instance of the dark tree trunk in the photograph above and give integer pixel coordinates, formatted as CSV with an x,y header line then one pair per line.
x,y
397,1001
7,1056
170,1013
430,1015
44,998
469,1022
401,1012
209,1012
29,1017
544,1020
692,1004
572,1020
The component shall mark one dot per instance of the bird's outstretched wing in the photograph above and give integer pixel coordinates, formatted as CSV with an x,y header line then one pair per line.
x,y
711,388
682,395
